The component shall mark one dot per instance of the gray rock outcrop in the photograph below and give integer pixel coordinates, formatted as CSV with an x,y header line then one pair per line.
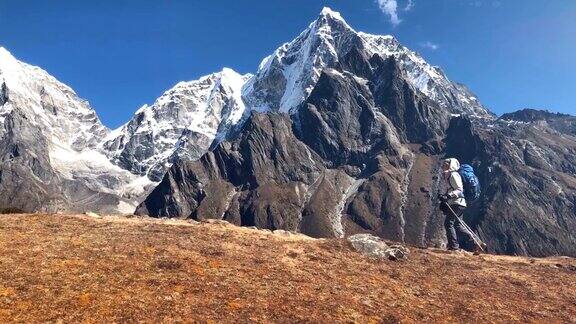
x,y
374,247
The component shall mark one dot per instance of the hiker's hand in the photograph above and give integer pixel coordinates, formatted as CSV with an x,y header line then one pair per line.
x,y
443,198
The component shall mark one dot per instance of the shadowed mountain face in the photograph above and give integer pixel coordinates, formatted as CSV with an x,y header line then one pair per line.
x,y
28,181
298,172
24,156
529,176
362,153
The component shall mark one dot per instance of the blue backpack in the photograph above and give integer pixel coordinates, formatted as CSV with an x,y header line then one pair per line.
x,y
471,183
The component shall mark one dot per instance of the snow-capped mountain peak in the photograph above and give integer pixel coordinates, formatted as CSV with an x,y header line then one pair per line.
x,y
6,59
52,137
55,107
182,123
286,78
327,11
328,15
195,98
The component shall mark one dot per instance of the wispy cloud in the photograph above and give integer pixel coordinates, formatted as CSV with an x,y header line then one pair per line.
x,y
429,45
409,5
390,8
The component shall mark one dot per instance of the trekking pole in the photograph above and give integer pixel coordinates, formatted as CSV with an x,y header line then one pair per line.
x,y
475,237
468,228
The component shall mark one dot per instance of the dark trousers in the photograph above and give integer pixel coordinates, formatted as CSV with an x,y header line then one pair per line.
x,y
454,228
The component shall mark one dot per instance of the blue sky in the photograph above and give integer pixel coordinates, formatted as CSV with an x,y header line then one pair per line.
x,y
122,54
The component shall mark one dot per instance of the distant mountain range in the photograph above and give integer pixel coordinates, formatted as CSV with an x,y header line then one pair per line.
x,y
337,132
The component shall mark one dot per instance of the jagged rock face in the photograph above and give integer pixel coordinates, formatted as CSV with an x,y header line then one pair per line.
x,y
528,206
24,158
28,180
340,123
258,179
339,168
417,118
383,102
181,124
3,94
428,79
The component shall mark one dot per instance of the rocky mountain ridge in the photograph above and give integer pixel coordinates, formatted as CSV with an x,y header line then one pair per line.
x,y
563,123
114,170
283,81
361,154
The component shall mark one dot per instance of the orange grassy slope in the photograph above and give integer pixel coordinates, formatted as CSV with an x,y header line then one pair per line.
x,y
78,268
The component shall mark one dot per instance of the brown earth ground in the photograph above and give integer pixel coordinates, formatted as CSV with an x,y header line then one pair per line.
x,y
78,268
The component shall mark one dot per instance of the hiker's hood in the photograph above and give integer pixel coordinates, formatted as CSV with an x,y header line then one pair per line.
x,y
454,165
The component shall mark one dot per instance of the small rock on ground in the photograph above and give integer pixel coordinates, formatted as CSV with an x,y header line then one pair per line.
x,y
374,247
94,215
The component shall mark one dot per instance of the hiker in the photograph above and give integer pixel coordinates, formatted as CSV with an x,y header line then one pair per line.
x,y
454,197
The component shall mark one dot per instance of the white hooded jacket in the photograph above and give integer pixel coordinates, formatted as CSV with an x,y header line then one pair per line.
x,y
454,184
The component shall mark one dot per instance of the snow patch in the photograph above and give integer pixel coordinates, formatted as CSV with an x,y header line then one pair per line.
x,y
98,173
